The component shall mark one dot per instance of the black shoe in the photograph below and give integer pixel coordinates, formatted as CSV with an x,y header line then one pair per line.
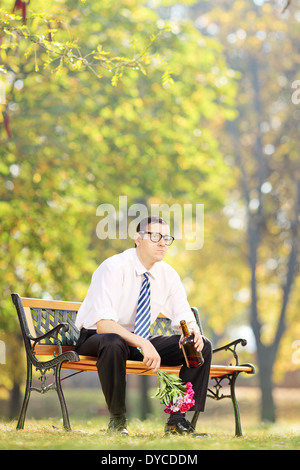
x,y
117,424
182,426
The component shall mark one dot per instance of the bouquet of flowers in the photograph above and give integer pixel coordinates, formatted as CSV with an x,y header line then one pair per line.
x,y
173,393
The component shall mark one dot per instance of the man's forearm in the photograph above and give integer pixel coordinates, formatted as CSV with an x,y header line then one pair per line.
x,y
110,326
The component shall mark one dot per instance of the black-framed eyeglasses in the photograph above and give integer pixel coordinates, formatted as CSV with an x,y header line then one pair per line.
x,y
156,237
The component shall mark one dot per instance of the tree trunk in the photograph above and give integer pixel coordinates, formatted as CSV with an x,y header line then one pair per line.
x,y
146,408
15,401
266,363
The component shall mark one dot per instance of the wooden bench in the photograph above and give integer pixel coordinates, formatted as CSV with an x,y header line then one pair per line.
x,y
49,334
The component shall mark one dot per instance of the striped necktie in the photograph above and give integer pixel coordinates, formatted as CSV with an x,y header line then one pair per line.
x,y
143,313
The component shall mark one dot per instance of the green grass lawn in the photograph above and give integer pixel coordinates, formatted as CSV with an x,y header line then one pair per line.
x,y
146,435
43,427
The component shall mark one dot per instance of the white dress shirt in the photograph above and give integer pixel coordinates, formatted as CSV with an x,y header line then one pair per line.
x,y
115,288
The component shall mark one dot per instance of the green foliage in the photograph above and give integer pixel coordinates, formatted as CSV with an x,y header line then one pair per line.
x,y
170,388
53,35
77,142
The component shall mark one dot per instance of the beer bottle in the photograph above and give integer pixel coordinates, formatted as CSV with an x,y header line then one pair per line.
x,y
193,358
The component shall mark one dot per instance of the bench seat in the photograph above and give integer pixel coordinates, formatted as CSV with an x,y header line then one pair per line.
x,y
88,363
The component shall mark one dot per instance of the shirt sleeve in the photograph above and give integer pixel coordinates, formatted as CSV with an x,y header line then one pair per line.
x,y
102,299
177,307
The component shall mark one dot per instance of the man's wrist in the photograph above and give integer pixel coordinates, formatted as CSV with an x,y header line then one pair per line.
x,y
193,326
141,342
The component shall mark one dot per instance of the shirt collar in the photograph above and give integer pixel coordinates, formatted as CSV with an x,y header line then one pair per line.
x,y
140,268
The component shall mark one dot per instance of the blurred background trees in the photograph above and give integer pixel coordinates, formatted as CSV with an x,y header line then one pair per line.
x,y
186,103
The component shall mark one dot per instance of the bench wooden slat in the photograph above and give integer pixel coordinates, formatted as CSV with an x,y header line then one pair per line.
x,y
50,349
28,302
88,363
29,321
51,304
138,368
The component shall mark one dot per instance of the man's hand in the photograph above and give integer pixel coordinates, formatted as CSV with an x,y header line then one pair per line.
x,y
151,356
198,340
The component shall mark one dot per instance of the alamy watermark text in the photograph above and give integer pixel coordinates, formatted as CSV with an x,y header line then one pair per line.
x,y
186,221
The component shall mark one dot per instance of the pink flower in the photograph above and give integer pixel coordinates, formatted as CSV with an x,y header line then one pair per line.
x,y
183,403
184,408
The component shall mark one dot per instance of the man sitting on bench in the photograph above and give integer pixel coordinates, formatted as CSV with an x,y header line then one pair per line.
x,y
127,293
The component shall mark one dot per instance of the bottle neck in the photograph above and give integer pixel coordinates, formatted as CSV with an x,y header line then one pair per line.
x,y
185,329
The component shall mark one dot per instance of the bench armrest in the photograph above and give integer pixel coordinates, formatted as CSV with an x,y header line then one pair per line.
x,y
51,334
197,318
232,347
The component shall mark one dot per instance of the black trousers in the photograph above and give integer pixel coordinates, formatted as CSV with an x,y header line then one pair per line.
x,y
112,352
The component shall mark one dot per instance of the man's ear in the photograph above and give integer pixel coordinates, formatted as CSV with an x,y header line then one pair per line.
x,y
137,239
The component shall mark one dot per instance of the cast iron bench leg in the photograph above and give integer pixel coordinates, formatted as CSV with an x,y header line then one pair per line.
x,y
64,410
23,411
238,426
195,419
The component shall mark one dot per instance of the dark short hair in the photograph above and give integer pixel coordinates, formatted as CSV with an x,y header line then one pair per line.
x,y
152,219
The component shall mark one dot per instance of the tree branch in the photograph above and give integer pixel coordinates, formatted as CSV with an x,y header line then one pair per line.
x,y
70,54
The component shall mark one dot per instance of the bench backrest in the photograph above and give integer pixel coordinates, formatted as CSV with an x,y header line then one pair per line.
x,y
38,316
